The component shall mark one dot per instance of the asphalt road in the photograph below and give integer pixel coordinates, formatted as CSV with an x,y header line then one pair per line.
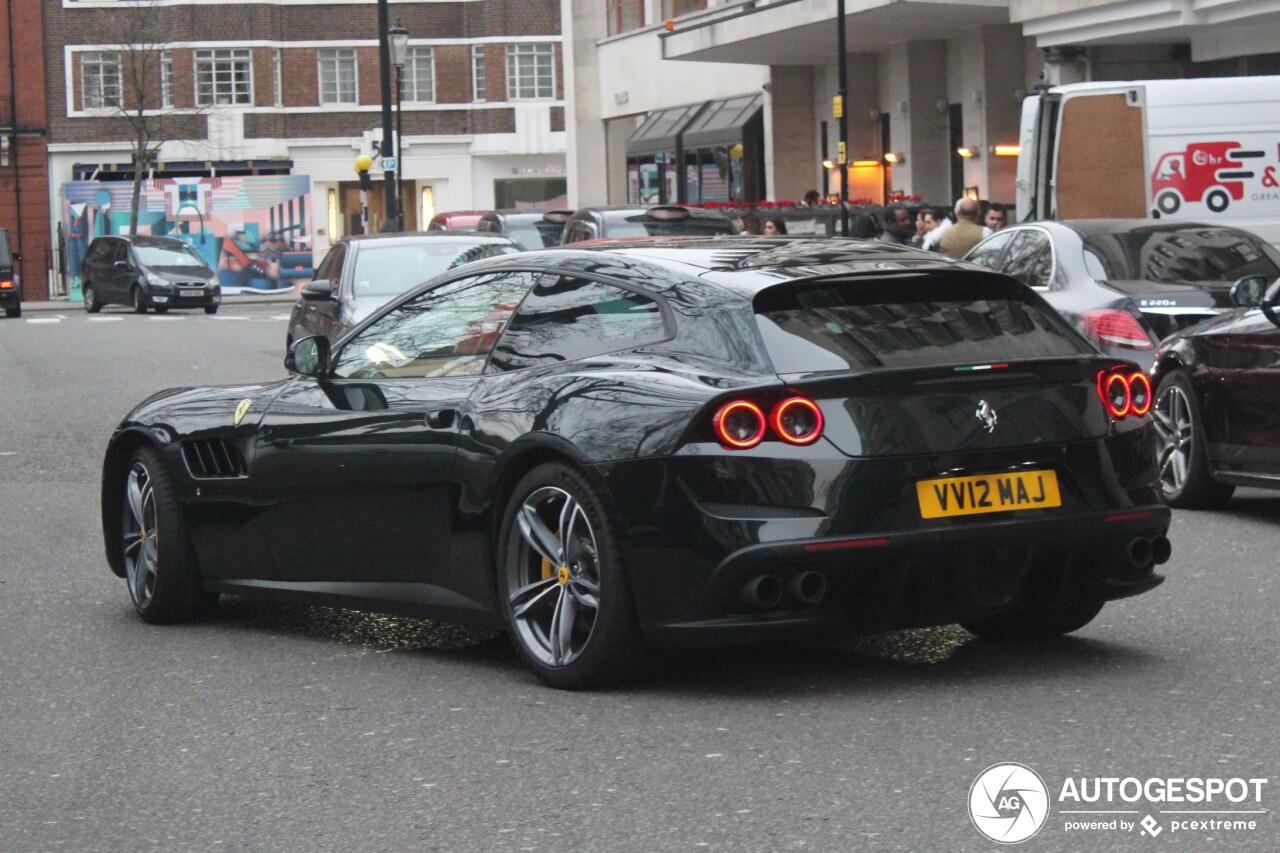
x,y
270,728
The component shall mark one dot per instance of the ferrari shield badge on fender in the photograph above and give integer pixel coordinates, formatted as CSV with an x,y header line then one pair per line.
x,y
241,410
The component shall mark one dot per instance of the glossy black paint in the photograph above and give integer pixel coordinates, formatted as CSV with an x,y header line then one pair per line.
x,y
1123,264
385,493
1234,366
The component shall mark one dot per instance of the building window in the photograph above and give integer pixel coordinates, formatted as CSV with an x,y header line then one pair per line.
x,y
676,8
100,79
419,75
277,79
338,76
166,79
531,71
224,77
477,73
625,15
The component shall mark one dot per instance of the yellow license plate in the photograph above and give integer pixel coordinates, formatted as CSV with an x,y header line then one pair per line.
x,y
987,493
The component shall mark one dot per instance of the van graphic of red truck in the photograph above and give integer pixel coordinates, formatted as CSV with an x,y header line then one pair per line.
x,y
1208,171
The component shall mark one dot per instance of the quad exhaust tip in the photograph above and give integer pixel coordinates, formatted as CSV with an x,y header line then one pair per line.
x,y
765,592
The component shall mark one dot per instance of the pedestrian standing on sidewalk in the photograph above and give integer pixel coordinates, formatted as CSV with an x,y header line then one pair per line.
x,y
966,233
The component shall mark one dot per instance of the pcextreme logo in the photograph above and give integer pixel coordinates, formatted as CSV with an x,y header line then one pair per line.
x,y
1009,803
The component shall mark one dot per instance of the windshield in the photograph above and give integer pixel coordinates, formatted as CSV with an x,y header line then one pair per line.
x,y
640,226
388,270
1195,253
538,235
180,255
906,323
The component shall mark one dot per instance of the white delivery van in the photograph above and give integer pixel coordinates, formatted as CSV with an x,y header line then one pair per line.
x,y
1204,149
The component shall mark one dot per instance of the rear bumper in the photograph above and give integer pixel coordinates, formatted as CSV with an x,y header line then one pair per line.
x,y
920,578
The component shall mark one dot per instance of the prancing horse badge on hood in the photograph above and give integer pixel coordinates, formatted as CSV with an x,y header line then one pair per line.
x,y
242,409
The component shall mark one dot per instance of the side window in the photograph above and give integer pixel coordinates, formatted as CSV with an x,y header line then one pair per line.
x,y
117,251
567,318
447,331
1030,258
988,253
332,262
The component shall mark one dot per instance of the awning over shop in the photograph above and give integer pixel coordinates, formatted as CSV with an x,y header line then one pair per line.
x,y
661,130
709,123
721,122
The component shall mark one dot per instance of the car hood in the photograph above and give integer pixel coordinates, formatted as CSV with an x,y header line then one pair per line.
x,y
186,412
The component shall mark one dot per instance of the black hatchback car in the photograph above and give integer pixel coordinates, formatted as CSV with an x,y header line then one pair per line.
x,y
147,272
662,443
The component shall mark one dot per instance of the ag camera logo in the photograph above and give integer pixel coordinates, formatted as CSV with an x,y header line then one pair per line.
x,y
1008,803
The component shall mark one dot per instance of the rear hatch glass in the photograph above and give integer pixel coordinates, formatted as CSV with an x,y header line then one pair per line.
x,y
916,320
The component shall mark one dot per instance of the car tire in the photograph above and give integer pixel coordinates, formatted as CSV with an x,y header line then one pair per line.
x,y
1168,202
138,301
211,309
160,566
1182,454
91,303
541,584
1041,623
12,311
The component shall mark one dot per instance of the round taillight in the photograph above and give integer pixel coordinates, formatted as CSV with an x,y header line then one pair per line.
x,y
797,420
1139,394
1116,395
739,424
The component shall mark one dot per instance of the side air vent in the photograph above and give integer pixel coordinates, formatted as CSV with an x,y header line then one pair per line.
x,y
212,458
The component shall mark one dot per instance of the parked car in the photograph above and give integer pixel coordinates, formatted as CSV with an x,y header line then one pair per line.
x,y
10,287
662,442
531,229
595,223
147,272
362,273
1128,283
1217,412
456,220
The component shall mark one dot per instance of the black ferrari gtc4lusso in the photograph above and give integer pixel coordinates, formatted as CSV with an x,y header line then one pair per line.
x,y
662,442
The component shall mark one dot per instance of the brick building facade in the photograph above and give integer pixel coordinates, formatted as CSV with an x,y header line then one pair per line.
x,y
24,194
285,86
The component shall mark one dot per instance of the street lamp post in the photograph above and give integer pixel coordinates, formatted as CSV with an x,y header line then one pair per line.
x,y
842,61
388,152
398,38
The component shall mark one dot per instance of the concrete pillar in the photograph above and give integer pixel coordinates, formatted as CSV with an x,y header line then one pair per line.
x,y
1006,80
791,132
584,23
1065,64
913,93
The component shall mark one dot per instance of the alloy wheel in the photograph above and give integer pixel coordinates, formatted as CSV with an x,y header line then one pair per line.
x,y
553,584
1172,419
141,536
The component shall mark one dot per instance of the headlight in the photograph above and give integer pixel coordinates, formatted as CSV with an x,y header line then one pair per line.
x,y
156,280
214,286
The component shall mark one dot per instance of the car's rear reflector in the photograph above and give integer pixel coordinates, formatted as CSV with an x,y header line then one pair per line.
x,y
845,543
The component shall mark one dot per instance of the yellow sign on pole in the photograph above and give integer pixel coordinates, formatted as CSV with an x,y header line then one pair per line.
x,y
837,106
840,150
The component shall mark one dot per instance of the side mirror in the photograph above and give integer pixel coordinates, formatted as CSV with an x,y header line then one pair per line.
x,y
309,356
1248,291
318,291
123,265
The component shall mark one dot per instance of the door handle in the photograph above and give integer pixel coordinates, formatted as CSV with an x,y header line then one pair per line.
x,y
440,419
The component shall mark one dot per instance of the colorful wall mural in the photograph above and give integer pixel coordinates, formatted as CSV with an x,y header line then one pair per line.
x,y
254,231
